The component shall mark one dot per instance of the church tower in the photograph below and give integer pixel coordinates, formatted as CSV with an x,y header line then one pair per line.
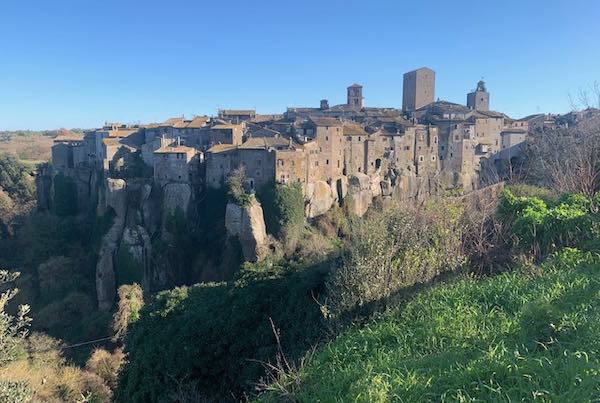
x,y
355,98
480,98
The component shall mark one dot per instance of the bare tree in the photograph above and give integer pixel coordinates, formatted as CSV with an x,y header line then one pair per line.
x,y
567,159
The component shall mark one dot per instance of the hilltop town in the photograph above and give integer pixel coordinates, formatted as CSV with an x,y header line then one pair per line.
x,y
342,154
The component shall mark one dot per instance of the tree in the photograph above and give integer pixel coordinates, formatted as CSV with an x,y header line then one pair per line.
x,y
13,330
131,301
566,159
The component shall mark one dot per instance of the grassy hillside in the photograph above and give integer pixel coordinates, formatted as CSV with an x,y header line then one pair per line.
x,y
527,335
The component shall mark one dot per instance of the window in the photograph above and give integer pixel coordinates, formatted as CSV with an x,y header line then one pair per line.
x,y
316,163
433,157
421,158
348,138
406,148
258,162
326,138
326,162
280,163
359,138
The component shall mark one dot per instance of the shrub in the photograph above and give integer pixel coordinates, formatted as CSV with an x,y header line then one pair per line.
x,y
235,186
391,250
542,228
131,301
283,208
106,365
217,335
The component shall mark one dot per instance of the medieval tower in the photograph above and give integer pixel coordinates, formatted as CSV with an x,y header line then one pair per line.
x,y
355,98
480,98
418,89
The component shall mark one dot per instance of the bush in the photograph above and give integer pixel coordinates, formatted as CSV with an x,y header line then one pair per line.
x,y
106,365
218,335
131,301
283,207
542,228
391,250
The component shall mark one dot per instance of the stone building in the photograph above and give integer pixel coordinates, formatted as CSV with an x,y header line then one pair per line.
x,y
479,99
176,163
418,89
237,115
355,98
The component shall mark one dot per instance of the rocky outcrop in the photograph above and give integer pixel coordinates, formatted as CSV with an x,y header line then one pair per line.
x,y
247,224
116,196
319,199
360,193
176,195
105,266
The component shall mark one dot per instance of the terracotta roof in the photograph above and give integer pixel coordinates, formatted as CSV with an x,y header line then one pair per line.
x,y
226,126
175,150
237,112
318,121
198,122
265,142
219,148
351,129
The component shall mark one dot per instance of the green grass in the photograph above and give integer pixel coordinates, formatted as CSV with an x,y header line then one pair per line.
x,y
530,335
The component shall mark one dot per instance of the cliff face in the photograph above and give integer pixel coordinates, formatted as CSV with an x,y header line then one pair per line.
x,y
247,224
143,244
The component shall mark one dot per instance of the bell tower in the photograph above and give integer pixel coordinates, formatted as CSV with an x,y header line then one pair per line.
x,y
480,98
355,98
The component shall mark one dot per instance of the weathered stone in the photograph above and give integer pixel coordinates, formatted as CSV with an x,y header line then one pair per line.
x,y
248,225
320,201
176,195
341,187
360,193
359,181
105,267
375,185
116,196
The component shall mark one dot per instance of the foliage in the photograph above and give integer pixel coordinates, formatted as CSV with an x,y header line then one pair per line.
x,y
106,365
56,277
65,196
284,208
218,334
541,228
15,179
49,377
391,250
520,336
131,301
128,269
235,187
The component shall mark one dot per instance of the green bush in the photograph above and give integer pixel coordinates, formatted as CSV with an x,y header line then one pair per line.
x,y
218,335
391,250
542,228
283,207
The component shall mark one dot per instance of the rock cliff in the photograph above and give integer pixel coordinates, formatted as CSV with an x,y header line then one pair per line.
x,y
247,224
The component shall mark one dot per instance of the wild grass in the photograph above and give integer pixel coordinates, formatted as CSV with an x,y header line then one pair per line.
x,y
528,335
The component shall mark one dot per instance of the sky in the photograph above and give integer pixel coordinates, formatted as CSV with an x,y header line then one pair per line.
x,y
79,63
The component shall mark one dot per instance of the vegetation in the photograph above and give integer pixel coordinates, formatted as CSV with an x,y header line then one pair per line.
x,y
526,335
284,208
219,335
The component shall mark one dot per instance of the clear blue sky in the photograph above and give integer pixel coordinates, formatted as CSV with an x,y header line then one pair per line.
x,y
78,63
